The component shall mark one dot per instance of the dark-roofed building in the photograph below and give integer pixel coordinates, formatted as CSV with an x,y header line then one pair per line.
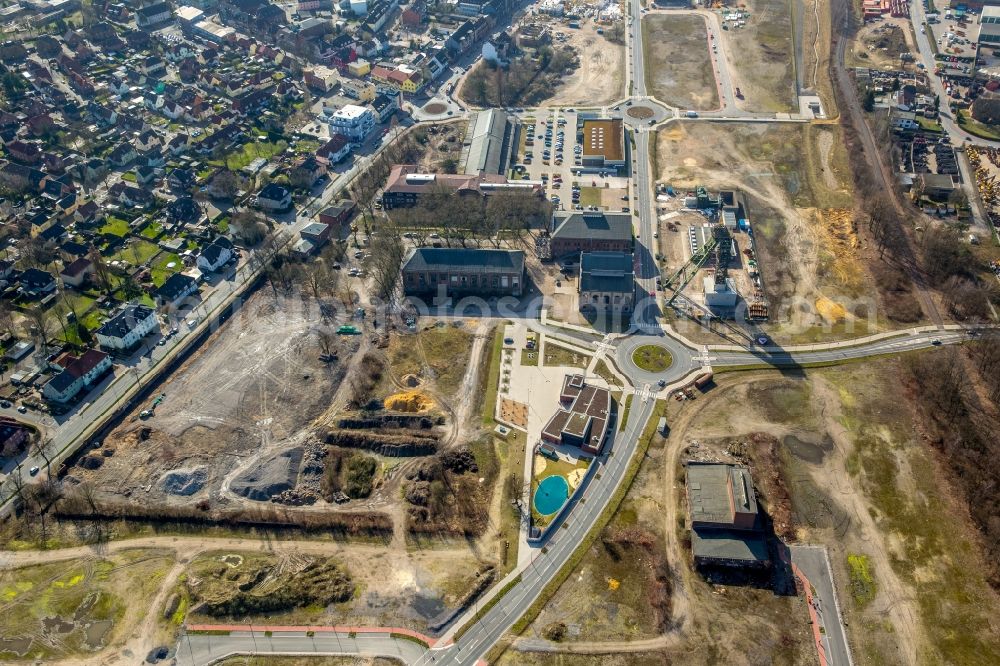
x,y
152,15
338,213
76,272
590,231
174,290
456,271
76,373
726,528
607,281
583,418
124,331
215,255
36,283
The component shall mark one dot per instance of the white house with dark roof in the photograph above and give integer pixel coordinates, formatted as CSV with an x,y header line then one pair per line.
x,y
214,256
130,325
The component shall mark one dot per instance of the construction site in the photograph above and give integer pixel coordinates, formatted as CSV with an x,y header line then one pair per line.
x,y
718,276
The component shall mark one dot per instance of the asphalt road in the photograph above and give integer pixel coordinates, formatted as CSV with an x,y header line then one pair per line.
x,y
815,564
198,649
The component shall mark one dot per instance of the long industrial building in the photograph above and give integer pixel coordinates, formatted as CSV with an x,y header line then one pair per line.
x,y
488,143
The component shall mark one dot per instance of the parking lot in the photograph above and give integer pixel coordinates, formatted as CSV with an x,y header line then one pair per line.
x,y
551,153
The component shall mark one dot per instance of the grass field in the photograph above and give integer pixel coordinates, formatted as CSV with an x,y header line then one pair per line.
x,y
250,151
590,196
438,352
166,264
556,355
81,603
137,252
652,358
114,226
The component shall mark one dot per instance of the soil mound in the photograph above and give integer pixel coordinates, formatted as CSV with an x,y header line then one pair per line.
x,y
409,401
184,481
269,477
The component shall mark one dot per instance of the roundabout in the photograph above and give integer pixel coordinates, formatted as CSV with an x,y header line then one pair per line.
x,y
649,359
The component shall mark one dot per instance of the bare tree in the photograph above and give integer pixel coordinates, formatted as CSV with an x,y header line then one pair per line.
x,y
387,252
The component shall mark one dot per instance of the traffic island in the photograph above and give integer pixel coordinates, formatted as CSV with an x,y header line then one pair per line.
x,y
652,358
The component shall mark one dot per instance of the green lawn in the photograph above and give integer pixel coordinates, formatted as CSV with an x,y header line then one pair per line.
x,y
250,151
556,356
114,226
137,253
161,271
652,358
152,230
590,196
974,127
128,176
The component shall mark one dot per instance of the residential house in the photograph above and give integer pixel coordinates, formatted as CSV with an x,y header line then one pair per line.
x,y
152,15
76,273
36,283
76,373
128,327
354,122
274,197
335,150
174,291
384,105
24,152
215,255
363,91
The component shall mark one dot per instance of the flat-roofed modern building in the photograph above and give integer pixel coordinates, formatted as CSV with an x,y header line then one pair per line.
x,y
583,418
603,143
726,528
457,271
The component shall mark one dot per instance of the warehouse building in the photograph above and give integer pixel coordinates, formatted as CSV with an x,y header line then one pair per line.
x,y
588,231
726,526
488,143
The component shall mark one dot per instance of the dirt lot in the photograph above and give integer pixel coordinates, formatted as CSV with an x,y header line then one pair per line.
x,y
444,147
636,589
879,44
600,79
796,182
225,405
760,56
679,68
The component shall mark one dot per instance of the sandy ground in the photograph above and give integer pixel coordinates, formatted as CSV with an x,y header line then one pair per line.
x,y
867,39
600,79
799,205
760,57
679,66
226,403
